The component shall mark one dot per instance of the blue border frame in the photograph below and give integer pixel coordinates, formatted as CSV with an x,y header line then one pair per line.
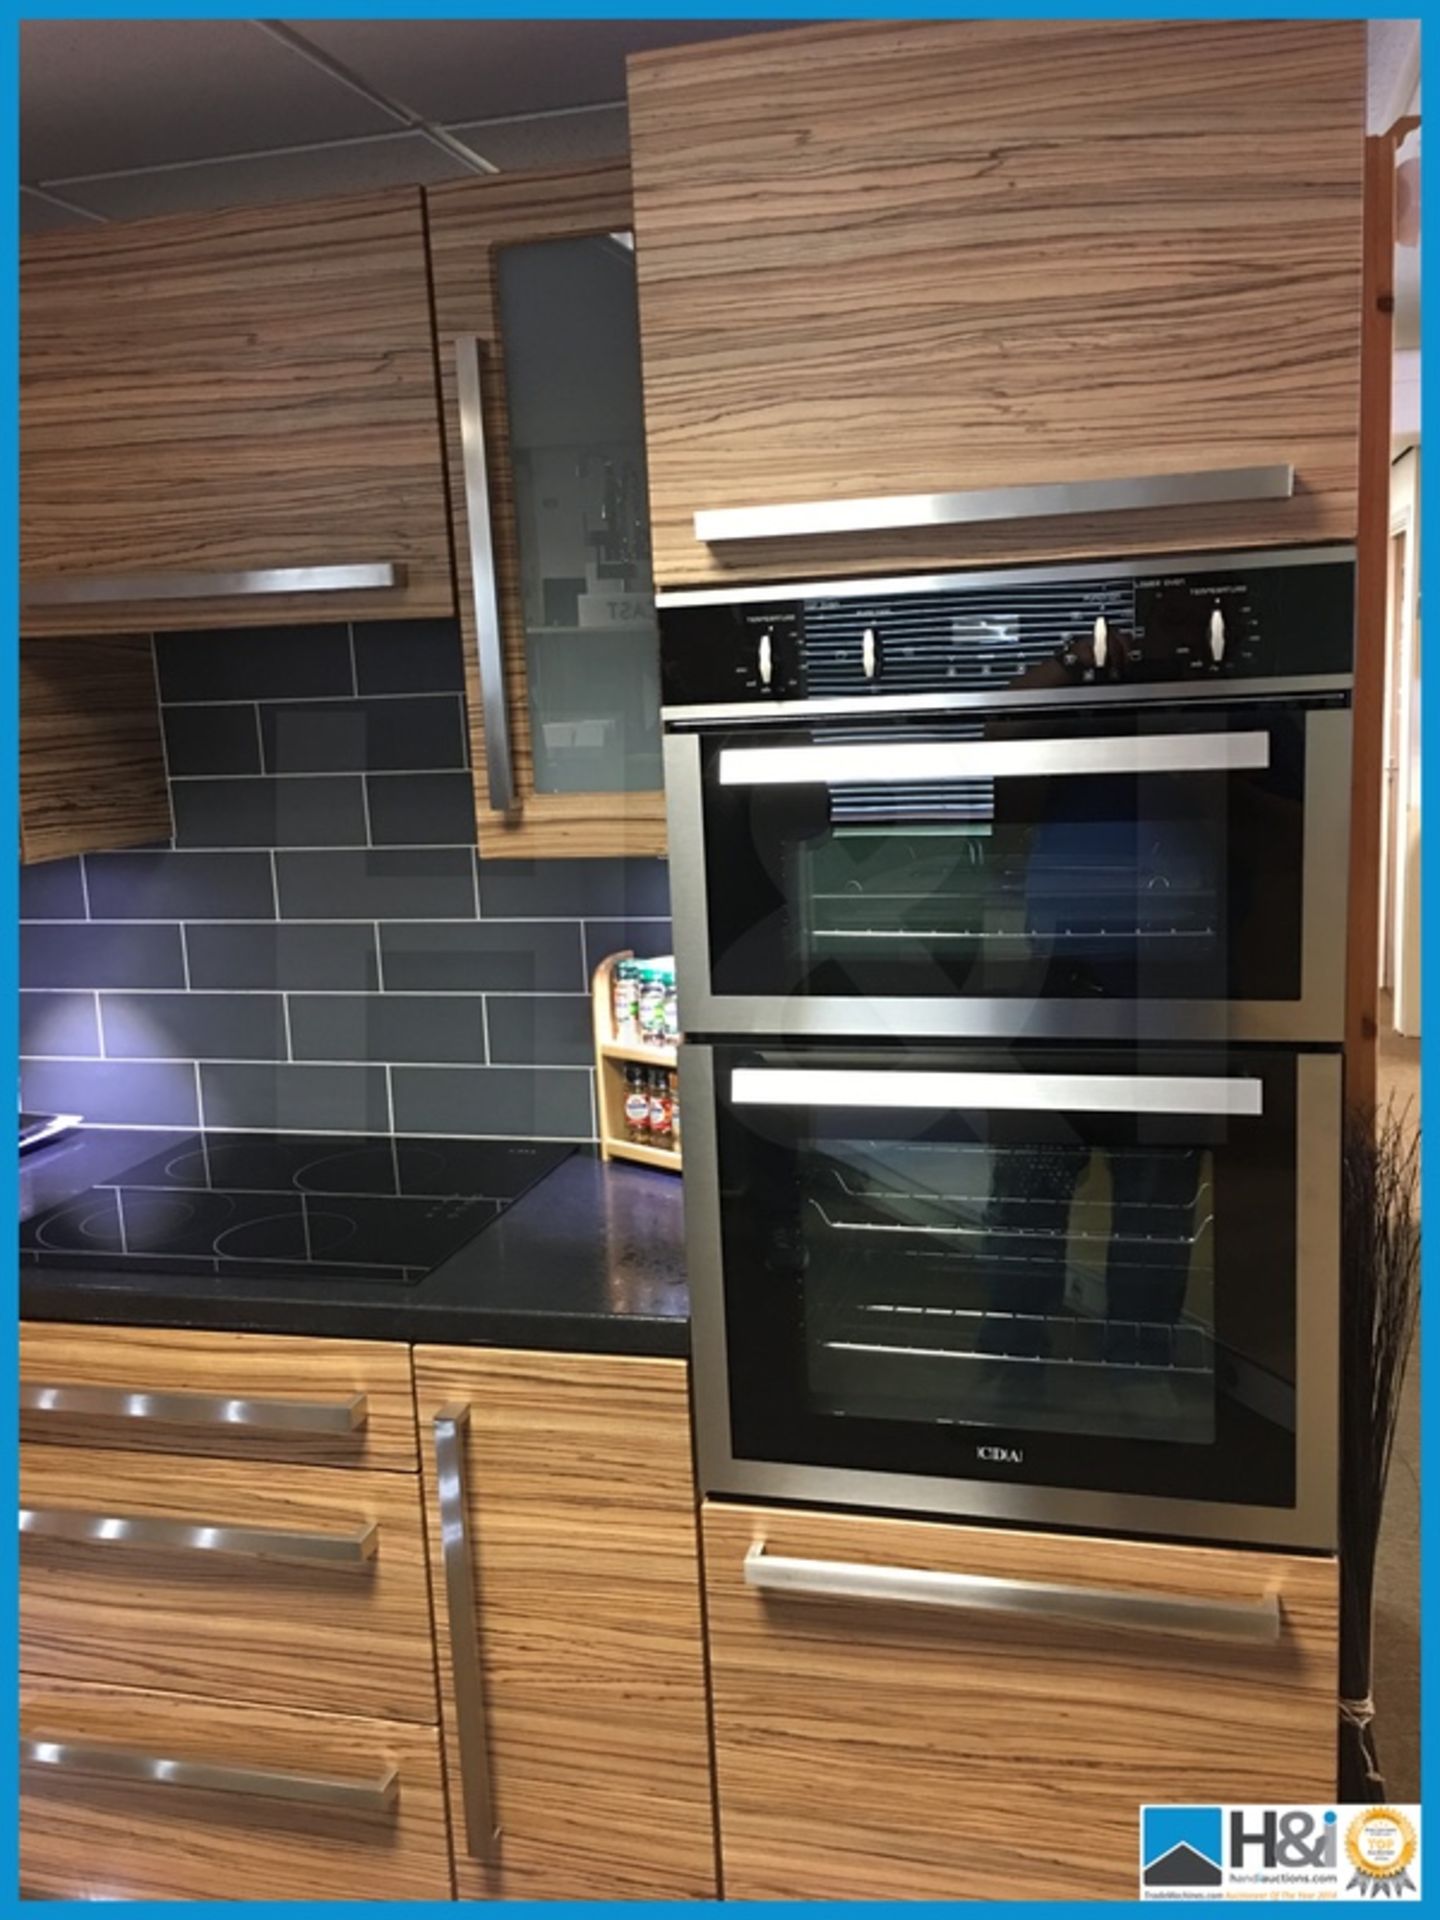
x,y
798,11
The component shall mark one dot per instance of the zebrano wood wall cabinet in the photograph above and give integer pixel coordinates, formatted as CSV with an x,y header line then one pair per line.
x,y
906,259
230,393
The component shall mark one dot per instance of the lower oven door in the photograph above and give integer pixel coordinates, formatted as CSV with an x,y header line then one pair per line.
x,y
1095,1291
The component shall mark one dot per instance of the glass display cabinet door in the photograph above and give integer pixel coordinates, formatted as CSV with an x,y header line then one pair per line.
x,y
564,678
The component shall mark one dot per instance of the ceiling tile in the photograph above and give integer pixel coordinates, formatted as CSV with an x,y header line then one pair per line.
x,y
1394,61
103,94
552,140
43,216
261,179
465,70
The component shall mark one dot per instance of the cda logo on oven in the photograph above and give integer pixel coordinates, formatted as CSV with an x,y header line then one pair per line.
x,y
1279,1853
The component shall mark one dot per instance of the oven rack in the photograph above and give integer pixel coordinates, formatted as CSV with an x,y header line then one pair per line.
x,y
1062,1340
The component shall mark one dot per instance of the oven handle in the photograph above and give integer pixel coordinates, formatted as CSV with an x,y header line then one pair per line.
x,y
1012,1092
1251,1620
911,762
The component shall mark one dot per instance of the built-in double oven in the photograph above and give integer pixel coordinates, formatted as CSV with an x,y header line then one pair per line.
x,y
1010,932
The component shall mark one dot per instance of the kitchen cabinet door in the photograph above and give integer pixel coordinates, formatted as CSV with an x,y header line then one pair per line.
x,y
129,1794
564,1561
535,307
908,259
870,1748
222,394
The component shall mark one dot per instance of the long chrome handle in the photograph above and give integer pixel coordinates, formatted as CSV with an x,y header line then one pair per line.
x,y
1012,1092
981,1593
195,1409
477,1789
90,1760
910,762
484,587
80,1528
1204,487
89,590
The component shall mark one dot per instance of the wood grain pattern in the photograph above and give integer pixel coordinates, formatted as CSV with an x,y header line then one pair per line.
x,y
92,761
1371,629
253,388
260,1366
467,221
872,1751
913,257
344,1640
582,1517
92,1840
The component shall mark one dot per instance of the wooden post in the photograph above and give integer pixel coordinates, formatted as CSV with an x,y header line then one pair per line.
x,y
1371,602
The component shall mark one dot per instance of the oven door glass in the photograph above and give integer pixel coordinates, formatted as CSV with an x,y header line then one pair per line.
x,y
949,1264
1124,855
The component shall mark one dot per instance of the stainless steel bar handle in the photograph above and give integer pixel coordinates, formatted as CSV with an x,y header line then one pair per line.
x,y
912,762
1204,487
477,1787
86,1759
484,585
1011,1092
1253,1620
93,590
195,1409
80,1528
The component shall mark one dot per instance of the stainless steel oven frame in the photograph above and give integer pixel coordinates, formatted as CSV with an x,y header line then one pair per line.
x,y
1310,1523
1317,1017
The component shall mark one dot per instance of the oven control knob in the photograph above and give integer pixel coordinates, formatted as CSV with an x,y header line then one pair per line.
x,y
869,655
1101,643
763,660
1217,636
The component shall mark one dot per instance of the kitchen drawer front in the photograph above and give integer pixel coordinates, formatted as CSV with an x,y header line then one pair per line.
x,y
870,1748
361,1815
297,1586
251,1396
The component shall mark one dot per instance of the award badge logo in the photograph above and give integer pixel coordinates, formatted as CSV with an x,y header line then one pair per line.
x,y
1381,1844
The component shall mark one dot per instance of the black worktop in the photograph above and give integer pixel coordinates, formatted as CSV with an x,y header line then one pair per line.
x,y
588,1259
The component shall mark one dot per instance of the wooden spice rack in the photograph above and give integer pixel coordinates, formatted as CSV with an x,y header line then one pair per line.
x,y
612,1056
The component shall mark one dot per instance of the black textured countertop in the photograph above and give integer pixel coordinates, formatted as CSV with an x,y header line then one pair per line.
x,y
589,1259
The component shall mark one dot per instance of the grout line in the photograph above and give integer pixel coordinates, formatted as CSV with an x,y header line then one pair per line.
x,y
365,809
320,699
330,993
253,1060
354,669
199,1098
475,882
100,1026
348,919
333,1133
184,954
84,889
289,1037
390,1098
485,1027
274,884
260,737
379,959
320,773
164,743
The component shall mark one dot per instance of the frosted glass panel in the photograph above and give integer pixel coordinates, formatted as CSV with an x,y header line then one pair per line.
x,y
572,372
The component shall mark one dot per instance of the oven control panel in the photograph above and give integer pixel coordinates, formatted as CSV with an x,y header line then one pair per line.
x,y
1282,617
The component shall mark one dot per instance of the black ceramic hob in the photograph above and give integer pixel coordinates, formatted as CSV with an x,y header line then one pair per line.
x,y
269,1205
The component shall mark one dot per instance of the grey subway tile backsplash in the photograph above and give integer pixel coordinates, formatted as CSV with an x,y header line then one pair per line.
x,y
513,957
212,740
296,1099
421,809
359,736
323,812
646,939
254,663
58,1023
541,1029
409,656
193,1026
574,889
130,1093
52,890
546,1102
428,883
285,953
321,951
381,1026
164,885
101,956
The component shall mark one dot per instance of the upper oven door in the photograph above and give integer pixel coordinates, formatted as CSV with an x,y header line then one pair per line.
x,y
1092,1288
1147,872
